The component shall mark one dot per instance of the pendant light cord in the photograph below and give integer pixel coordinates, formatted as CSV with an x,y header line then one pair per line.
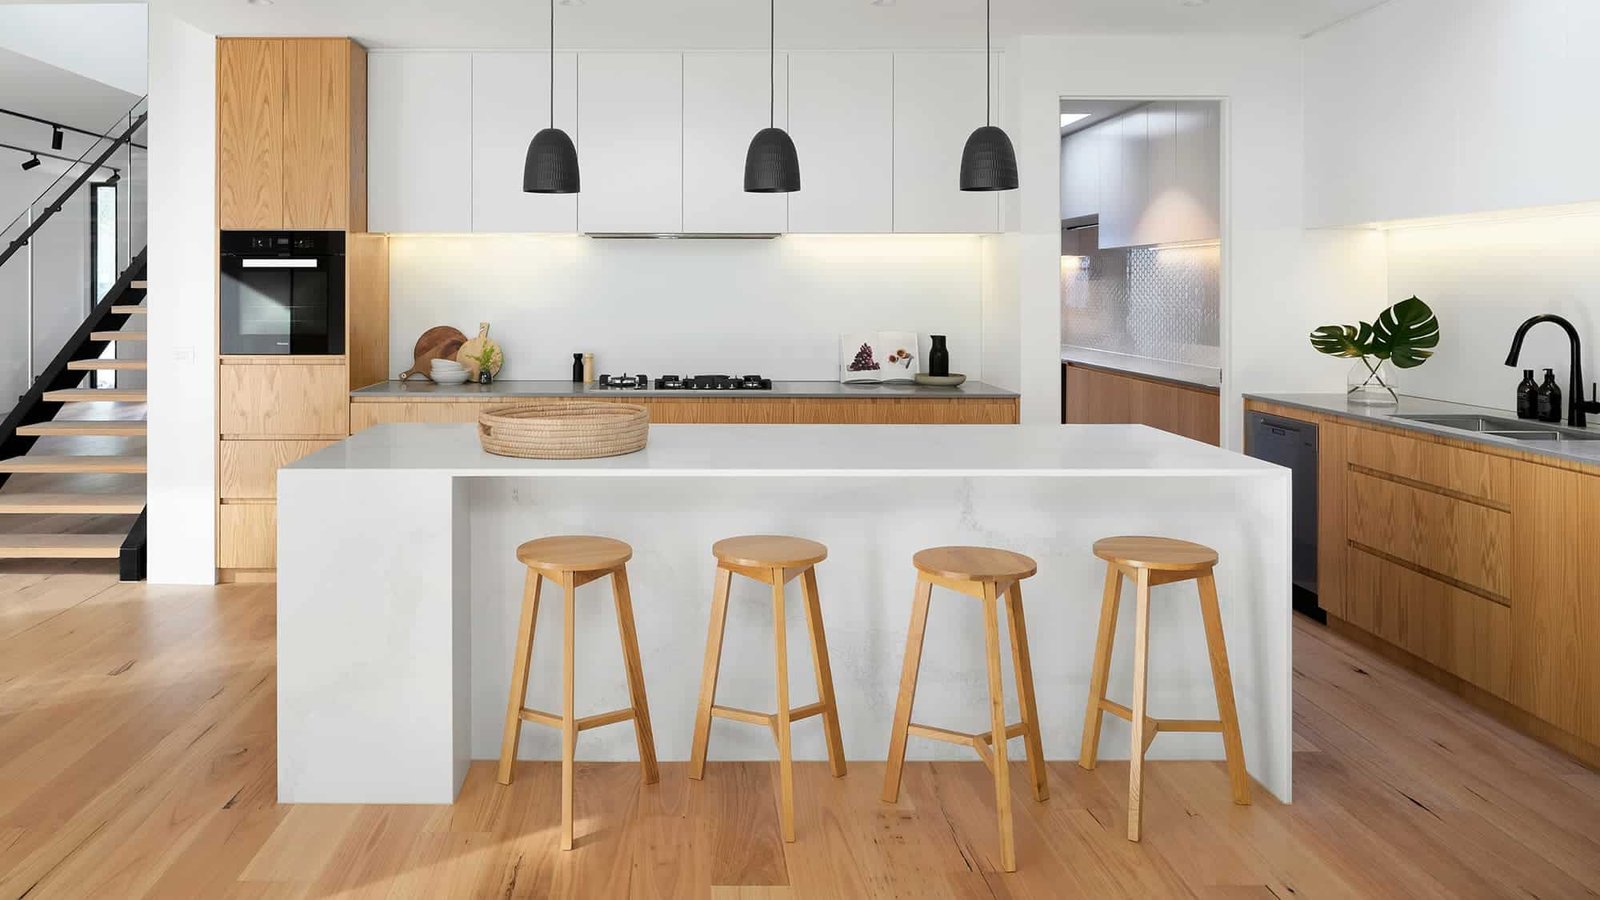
x,y
552,63
987,19
772,63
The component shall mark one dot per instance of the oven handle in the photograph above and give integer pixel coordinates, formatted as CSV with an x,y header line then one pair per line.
x,y
278,263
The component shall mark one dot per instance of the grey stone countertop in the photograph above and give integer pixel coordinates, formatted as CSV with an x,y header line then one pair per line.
x,y
422,389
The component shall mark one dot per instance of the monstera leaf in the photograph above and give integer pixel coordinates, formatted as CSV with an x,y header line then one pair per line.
x,y
1405,334
1343,340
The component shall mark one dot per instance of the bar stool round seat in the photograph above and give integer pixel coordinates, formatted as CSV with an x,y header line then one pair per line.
x,y
768,551
574,553
1155,553
974,564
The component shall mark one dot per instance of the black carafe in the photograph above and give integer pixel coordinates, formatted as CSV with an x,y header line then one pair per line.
x,y
1527,397
938,357
577,368
1549,398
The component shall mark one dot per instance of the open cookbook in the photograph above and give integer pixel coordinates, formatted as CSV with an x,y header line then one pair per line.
x,y
878,357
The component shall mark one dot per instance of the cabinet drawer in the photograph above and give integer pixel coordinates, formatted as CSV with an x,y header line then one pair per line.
x,y
1481,475
249,469
284,400
247,535
1463,633
366,415
1457,539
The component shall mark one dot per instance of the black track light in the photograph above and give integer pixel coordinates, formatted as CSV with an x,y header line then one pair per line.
x,y
115,177
988,162
551,166
771,165
56,137
30,163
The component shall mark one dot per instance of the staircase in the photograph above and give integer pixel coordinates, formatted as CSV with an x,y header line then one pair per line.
x,y
62,494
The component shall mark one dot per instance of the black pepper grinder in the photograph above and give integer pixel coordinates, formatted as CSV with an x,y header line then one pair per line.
x,y
1527,396
1549,398
938,357
577,368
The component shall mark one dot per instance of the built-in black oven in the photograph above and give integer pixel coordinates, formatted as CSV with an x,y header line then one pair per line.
x,y
282,292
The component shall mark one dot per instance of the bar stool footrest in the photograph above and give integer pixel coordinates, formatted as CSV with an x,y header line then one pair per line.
x,y
551,720
1154,726
980,741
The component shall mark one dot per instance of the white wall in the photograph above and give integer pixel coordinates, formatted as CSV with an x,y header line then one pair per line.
x,y
1424,108
1274,277
182,275
1483,279
774,307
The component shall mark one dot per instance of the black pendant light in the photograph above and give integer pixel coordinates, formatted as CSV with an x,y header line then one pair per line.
x,y
552,163
771,165
988,162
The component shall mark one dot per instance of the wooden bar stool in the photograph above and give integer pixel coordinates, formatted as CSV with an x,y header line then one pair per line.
x,y
774,560
1151,561
572,561
988,575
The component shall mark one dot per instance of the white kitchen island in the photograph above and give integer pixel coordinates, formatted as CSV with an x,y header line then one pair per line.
x,y
399,590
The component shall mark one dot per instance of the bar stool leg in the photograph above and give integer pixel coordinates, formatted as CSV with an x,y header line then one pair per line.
x,y
569,723
908,691
1222,681
519,674
708,676
1094,715
1023,665
1141,647
630,660
824,671
997,717
780,652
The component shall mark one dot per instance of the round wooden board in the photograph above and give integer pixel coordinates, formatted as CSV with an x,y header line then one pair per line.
x,y
438,342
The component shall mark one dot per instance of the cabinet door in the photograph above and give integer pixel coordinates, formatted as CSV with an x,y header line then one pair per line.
x,y
247,535
630,124
841,115
1080,174
1125,179
283,400
725,102
510,104
1198,131
316,133
419,149
248,470
250,102
938,101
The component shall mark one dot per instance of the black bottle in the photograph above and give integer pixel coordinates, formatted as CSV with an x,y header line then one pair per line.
x,y
1527,397
1549,398
938,357
577,368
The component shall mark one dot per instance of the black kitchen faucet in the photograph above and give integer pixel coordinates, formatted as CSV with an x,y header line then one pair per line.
x,y
1576,405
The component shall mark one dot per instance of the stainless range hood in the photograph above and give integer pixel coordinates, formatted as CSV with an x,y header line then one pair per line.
x,y
680,236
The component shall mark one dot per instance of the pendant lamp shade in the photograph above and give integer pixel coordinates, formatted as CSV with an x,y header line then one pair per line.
x,y
771,166
988,162
552,164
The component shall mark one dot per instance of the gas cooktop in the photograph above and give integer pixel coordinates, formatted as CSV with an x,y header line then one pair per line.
x,y
626,382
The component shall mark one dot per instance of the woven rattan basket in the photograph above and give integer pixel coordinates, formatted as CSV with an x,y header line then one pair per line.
x,y
564,429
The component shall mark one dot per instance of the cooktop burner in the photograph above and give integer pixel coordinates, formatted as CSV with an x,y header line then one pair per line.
x,y
626,382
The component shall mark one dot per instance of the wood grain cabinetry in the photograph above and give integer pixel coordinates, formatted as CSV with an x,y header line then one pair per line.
x,y
248,470
291,133
271,399
1468,563
1092,395
247,536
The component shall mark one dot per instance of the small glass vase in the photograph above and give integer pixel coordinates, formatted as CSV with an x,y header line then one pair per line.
x,y
1371,383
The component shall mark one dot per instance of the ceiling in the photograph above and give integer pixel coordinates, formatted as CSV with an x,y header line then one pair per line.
x,y
726,24
40,89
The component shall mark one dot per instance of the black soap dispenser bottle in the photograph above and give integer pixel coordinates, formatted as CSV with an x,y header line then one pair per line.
x,y
1527,396
1549,397
577,368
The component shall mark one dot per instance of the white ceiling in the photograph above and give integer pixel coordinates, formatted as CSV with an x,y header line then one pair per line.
x,y
718,24
40,89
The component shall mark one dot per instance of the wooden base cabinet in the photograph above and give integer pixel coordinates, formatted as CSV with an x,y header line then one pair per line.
x,y
1091,396
1469,565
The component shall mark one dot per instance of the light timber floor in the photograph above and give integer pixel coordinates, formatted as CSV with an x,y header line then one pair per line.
x,y
136,760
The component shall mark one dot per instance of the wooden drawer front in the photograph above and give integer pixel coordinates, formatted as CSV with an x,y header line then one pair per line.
x,y
726,411
366,415
1463,633
250,468
1459,540
1467,472
284,400
247,535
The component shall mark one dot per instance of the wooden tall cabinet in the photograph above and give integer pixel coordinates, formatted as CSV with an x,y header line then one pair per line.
x,y
291,133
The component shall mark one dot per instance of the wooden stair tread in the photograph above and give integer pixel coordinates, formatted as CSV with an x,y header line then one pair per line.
x,y
48,464
85,428
20,503
129,309
100,365
60,546
96,395
118,336
140,285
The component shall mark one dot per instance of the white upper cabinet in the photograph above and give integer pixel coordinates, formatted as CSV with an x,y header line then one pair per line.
x,y
419,141
510,104
938,101
1160,174
630,142
725,102
1080,173
841,116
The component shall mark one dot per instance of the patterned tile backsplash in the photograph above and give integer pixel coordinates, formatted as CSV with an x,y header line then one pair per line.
x,y
1155,302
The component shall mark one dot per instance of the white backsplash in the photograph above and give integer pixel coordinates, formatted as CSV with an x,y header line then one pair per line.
x,y
1153,302
727,306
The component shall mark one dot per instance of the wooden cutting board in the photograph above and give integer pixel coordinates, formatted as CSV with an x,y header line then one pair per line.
x,y
438,342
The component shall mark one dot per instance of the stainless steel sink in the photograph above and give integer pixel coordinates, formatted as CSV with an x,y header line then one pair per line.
x,y
1514,429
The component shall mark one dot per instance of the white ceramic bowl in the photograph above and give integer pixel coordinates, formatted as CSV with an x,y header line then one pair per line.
x,y
450,378
440,365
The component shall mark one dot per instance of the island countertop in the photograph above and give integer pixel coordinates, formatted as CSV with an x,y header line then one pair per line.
x,y
422,389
